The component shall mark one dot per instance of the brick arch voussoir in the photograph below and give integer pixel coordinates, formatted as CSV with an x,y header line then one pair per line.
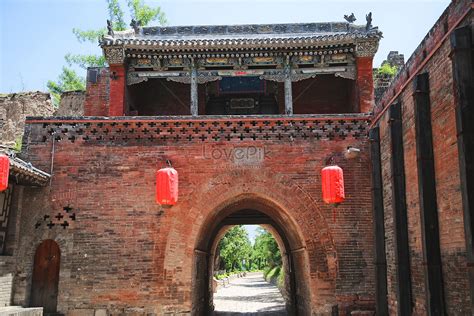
x,y
277,190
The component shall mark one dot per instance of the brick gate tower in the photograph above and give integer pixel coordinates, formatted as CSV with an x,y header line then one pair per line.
x,y
248,115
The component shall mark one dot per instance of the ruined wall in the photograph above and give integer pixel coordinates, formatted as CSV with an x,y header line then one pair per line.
x,y
382,81
72,104
15,107
123,252
449,199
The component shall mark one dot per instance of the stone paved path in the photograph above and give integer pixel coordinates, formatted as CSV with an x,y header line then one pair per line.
x,y
251,295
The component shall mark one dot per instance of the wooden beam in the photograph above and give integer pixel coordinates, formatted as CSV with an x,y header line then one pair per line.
x,y
463,66
194,91
288,90
381,303
399,207
428,199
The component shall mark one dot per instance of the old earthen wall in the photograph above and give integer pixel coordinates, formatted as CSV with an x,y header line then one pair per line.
x,y
72,104
15,107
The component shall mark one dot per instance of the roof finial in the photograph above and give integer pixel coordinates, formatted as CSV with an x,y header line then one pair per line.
x,y
136,25
110,29
350,18
368,17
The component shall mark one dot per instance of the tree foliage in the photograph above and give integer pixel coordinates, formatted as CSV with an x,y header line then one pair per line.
x,y
235,248
266,249
145,14
236,251
387,69
139,11
68,81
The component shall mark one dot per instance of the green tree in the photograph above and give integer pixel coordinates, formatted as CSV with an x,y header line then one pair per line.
x,y
139,11
387,69
235,248
265,250
68,81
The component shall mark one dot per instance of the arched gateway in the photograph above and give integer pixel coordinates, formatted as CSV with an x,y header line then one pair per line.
x,y
253,209
248,125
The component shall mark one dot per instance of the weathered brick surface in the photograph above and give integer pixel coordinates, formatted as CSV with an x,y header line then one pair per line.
x,y
365,84
124,251
97,94
452,239
117,90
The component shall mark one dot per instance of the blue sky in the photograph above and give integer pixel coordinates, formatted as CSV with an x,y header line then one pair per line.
x,y
36,34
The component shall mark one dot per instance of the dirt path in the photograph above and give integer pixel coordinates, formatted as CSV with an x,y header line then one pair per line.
x,y
251,295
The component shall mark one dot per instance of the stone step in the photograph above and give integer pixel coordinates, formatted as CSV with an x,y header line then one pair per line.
x,y
21,311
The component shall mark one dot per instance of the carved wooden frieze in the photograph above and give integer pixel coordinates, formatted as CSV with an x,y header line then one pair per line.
x,y
176,62
348,74
217,61
203,62
137,63
133,78
280,76
305,59
301,76
202,77
114,55
366,48
264,60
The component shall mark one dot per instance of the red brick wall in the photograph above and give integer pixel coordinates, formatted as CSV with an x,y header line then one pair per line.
x,y
365,84
450,212
117,90
97,95
123,251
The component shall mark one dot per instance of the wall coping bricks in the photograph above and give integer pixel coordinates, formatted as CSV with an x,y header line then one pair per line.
x,y
447,22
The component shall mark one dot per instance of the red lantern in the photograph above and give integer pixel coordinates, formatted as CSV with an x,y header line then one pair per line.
x,y
167,186
333,184
4,171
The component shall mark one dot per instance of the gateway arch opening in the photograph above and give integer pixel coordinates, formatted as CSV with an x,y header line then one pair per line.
x,y
212,296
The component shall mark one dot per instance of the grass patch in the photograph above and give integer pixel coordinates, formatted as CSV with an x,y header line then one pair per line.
x,y
274,273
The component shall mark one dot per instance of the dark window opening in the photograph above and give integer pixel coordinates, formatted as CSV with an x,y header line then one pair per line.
x,y
241,96
244,95
158,97
323,95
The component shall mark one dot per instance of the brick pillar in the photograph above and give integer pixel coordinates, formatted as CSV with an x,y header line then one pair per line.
x,y
117,90
365,84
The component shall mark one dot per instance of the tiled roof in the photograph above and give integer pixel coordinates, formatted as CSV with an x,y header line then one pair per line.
x,y
24,173
242,36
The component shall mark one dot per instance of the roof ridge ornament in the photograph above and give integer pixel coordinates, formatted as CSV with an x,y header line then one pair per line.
x,y
136,25
368,18
350,18
110,29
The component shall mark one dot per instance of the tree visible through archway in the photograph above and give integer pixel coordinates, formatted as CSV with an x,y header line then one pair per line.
x,y
249,276
251,209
